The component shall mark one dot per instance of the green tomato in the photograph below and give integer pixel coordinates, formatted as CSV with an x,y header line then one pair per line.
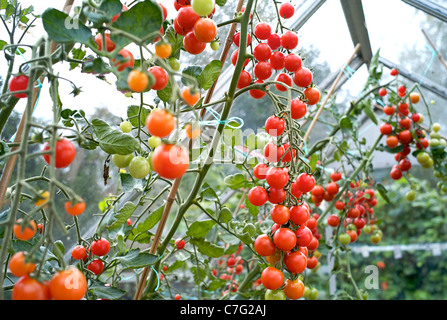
x,y
421,120
262,139
174,63
423,157
203,7
437,174
154,142
434,143
344,239
410,196
351,227
428,164
367,229
313,295
306,292
214,45
436,127
275,295
139,167
376,238
442,143
122,161
435,135
126,126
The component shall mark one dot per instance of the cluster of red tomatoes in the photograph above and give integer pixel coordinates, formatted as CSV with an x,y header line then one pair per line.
x,y
356,212
402,129
228,268
273,53
99,248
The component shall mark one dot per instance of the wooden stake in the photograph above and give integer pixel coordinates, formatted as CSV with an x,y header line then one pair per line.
x,y
440,57
331,91
172,194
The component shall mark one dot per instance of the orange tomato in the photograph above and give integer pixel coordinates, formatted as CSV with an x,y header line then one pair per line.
x,y
163,50
160,123
69,284
415,97
26,233
294,290
30,289
19,267
137,81
75,209
192,130
190,98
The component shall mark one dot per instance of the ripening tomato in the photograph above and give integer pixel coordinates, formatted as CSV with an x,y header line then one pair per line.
x,y
284,239
25,233
284,78
277,196
273,153
110,45
275,126
293,62
128,60
170,161
256,93
260,171
289,40
27,288
18,83
163,50
262,31
161,78
179,244
187,17
100,247
192,44
280,214
237,39
299,215
392,141
65,153
189,97
96,266
137,80
277,60
312,96
264,246
298,109
160,123
263,70
79,252
69,284
303,77
296,262
294,289
274,41
277,177
205,30
75,209
272,278
333,220
262,52
415,97
304,236
18,265
258,196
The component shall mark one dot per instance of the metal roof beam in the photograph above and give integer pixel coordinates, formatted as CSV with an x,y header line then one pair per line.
x,y
426,83
429,7
355,18
307,14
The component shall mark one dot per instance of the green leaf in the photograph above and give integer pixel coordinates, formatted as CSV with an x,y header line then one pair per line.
x,y
313,161
231,249
216,284
253,210
210,74
135,259
4,149
141,20
236,181
63,29
146,225
132,114
105,13
175,40
221,3
59,249
95,66
209,194
200,229
106,292
346,125
113,141
383,192
209,249
193,71
166,94
225,215
369,112
2,44
129,183
78,54
121,216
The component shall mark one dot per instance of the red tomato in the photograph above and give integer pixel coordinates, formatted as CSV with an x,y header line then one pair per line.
x,y
280,214
289,40
262,52
18,83
284,78
274,41
312,95
299,215
272,278
303,77
258,196
277,196
65,153
263,70
127,62
277,60
69,284
170,161
161,78
264,246
275,126
100,247
192,44
187,17
284,239
262,31
296,262
30,289
277,178
298,109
